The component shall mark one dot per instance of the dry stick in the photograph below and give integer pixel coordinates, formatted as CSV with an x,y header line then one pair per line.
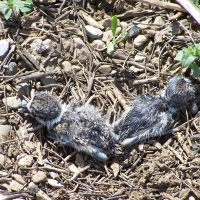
x,y
8,56
116,61
120,97
191,9
177,155
80,171
145,81
166,5
38,75
15,76
135,163
17,196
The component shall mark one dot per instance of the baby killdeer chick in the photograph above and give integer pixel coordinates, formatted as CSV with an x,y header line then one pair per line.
x,y
153,116
82,128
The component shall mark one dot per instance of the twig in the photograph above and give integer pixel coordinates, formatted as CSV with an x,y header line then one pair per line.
x,y
163,4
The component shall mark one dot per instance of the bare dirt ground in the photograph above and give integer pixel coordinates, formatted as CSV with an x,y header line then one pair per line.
x,y
74,67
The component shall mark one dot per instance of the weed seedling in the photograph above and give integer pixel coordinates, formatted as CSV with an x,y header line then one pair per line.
x,y
188,57
12,8
124,35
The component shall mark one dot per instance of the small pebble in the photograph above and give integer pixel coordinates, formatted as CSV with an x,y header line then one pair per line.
x,y
19,178
98,44
139,57
38,46
12,68
158,20
4,133
12,102
33,189
2,160
67,66
15,186
105,69
194,108
54,183
4,47
25,161
140,40
93,32
133,32
40,195
124,25
39,177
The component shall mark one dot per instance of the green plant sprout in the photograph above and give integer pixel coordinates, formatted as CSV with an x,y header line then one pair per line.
x,y
188,57
12,8
196,2
124,35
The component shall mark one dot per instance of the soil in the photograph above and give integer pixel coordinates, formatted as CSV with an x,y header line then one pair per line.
x,y
69,65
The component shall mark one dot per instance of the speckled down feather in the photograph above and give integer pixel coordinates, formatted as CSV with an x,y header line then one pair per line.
x,y
152,116
82,128
85,130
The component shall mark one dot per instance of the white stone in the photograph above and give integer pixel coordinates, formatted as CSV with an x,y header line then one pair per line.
x,y
2,160
93,32
140,40
15,186
19,178
124,25
39,177
38,46
139,57
158,20
4,47
67,66
40,195
54,183
26,161
105,69
12,102
76,67
5,130
98,44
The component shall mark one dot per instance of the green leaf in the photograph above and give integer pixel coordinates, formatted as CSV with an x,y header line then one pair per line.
x,y
179,56
27,1
195,69
3,4
187,59
7,13
114,25
110,48
123,36
25,9
17,3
